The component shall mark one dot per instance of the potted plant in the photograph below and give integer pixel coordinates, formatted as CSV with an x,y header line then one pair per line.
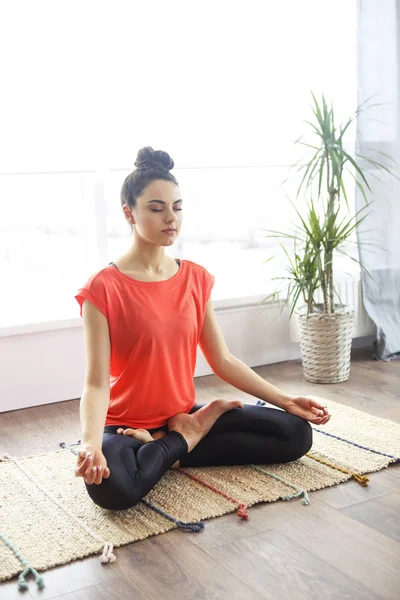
x,y
325,327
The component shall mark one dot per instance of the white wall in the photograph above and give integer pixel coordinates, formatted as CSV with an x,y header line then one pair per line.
x,y
41,367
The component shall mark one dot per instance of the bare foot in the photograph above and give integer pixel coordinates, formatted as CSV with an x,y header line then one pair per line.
x,y
195,426
140,434
143,435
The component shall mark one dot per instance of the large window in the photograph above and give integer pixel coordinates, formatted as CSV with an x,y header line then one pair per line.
x,y
225,91
225,213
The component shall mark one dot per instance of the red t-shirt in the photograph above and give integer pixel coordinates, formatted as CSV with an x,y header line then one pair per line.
x,y
155,327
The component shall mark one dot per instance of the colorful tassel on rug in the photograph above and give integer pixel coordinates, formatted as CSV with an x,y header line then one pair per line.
x,y
22,585
191,527
242,512
107,555
64,445
306,499
360,478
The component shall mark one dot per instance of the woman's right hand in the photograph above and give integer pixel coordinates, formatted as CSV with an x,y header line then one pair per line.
x,y
92,468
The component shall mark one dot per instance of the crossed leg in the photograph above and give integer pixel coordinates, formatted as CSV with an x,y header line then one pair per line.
x,y
242,436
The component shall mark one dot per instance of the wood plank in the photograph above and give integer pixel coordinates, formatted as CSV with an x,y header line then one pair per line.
x,y
382,514
118,589
9,591
170,566
73,576
350,492
343,545
277,567
388,478
352,548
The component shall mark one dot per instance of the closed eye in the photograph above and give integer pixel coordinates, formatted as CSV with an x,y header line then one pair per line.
x,y
157,210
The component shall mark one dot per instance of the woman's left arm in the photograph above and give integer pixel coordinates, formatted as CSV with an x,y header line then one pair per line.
x,y
238,374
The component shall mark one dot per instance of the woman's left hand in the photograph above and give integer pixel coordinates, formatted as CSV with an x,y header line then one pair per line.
x,y
308,409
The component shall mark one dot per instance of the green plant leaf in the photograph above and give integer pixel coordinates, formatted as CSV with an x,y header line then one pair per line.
x,y
356,167
360,186
268,259
321,229
379,165
356,261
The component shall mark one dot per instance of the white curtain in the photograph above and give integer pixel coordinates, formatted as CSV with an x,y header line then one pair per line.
x,y
378,131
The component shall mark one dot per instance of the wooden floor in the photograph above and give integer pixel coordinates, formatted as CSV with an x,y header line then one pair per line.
x,y
345,544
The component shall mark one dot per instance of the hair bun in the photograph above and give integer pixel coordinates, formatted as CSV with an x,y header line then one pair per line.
x,y
147,158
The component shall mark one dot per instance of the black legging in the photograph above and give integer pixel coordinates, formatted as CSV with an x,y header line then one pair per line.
x,y
240,436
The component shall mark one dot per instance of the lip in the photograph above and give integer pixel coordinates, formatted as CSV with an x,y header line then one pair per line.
x,y
169,230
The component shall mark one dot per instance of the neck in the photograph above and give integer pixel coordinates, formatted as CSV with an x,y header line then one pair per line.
x,y
155,263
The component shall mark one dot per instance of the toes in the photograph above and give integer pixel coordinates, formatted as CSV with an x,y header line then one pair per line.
x,y
129,431
141,434
236,403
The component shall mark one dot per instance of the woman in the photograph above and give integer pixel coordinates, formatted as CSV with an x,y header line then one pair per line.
x,y
144,317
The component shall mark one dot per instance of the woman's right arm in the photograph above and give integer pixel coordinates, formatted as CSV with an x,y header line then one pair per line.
x,y
93,411
96,392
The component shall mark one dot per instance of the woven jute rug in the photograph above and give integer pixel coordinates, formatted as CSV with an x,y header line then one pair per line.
x,y
47,517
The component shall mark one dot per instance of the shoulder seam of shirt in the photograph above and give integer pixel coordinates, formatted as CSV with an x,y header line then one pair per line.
x,y
95,275
196,264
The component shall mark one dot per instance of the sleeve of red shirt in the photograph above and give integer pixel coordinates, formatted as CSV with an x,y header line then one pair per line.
x,y
94,291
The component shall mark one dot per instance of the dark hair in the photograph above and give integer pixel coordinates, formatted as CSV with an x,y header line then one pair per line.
x,y
150,165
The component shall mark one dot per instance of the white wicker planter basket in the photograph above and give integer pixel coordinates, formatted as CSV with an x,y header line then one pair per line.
x,y
325,343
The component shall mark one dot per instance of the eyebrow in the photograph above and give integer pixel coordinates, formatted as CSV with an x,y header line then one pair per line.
x,y
162,201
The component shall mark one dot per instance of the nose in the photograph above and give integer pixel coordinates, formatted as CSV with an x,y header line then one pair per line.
x,y
171,220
